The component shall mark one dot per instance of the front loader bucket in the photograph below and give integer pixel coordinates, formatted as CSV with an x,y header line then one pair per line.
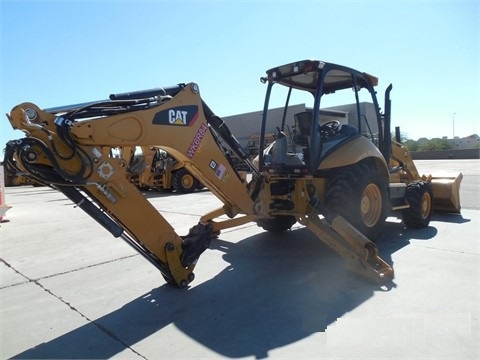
x,y
446,193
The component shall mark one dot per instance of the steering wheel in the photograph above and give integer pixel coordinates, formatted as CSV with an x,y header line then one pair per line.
x,y
330,128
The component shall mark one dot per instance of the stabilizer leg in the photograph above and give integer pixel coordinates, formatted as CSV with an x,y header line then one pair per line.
x,y
359,253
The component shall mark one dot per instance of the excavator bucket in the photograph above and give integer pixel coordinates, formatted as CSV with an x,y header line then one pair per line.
x,y
446,193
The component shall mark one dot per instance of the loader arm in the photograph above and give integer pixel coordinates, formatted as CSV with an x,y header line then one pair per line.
x,y
401,159
445,188
69,148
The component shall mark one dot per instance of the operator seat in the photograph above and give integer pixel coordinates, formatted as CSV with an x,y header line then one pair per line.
x,y
303,124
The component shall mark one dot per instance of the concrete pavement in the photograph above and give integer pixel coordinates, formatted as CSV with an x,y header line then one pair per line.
x,y
70,290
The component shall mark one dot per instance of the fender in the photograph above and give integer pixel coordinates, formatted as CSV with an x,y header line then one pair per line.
x,y
352,152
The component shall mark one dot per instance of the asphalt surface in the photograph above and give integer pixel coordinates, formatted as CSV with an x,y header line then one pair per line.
x,y
70,290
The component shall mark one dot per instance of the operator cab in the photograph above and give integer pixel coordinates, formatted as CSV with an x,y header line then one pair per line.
x,y
323,108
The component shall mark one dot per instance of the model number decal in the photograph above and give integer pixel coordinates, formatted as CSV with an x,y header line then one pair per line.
x,y
197,141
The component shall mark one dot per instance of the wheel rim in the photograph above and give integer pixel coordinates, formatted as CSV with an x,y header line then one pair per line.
x,y
187,181
425,205
371,205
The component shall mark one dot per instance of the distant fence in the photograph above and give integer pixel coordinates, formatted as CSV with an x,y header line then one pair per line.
x,y
446,154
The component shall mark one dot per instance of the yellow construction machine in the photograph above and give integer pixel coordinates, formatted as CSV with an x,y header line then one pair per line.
x,y
17,179
335,181
14,178
152,168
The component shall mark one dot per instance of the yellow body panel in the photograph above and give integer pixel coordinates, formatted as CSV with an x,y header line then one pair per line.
x,y
353,152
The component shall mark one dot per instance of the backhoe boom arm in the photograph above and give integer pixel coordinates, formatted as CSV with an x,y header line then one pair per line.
x,y
73,155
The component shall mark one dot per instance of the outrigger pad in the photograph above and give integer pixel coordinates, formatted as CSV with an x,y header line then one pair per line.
x,y
195,243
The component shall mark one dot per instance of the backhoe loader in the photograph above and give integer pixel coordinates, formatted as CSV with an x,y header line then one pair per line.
x,y
336,181
16,179
151,168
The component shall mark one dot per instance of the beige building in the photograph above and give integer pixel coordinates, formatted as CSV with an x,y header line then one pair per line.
x,y
469,142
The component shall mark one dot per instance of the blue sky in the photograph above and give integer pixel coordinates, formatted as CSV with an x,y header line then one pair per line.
x,y
63,52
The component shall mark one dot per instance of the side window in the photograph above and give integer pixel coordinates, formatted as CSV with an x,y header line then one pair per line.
x,y
298,101
367,116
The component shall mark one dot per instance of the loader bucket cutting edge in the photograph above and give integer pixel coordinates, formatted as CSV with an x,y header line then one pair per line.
x,y
446,193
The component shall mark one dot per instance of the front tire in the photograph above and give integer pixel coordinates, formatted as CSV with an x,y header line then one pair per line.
x,y
184,182
420,197
359,194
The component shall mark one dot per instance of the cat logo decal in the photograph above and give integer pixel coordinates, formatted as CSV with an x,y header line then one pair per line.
x,y
181,115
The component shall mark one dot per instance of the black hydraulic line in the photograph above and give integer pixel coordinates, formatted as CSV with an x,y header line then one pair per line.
x,y
11,166
108,107
142,94
101,107
24,154
111,226
149,256
222,129
86,205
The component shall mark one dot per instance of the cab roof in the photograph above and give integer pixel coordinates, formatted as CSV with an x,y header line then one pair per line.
x,y
304,75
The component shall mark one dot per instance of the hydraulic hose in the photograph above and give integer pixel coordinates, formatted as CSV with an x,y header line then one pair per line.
x,y
86,205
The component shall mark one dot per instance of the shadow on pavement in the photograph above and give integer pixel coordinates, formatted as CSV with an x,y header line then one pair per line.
x,y
278,289
152,194
450,218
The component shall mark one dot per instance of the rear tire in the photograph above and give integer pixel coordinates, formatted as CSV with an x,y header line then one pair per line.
x,y
420,197
359,194
278,223
184,182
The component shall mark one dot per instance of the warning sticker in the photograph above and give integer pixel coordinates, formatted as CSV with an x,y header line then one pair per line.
x,y
222,173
